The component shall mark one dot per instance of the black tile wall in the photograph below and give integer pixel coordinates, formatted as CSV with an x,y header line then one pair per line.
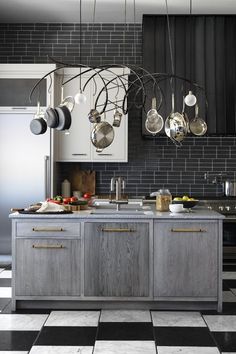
x,y
153,163
99,43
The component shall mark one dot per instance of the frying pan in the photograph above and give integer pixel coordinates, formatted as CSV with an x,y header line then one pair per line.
x,y
64,116
198,126
102,135
51,117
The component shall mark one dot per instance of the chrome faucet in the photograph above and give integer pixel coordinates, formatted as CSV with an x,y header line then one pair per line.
x,y
118,185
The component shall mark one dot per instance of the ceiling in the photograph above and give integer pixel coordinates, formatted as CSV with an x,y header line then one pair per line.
x,y
110,11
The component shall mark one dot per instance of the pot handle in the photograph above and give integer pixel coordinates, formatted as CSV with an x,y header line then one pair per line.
x,y
172,103
154,103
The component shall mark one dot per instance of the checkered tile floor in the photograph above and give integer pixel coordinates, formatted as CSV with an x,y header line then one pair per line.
x,y
118,331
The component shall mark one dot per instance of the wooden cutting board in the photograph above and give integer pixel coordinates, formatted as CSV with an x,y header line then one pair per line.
x,y
83,181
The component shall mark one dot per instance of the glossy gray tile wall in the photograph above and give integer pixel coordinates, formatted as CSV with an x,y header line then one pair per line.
x,y
101,43
153,163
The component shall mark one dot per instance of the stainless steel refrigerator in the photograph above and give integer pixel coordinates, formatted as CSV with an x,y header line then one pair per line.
x,y
24,169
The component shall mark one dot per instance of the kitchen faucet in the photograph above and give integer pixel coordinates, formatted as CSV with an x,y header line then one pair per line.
x,y
118,185
215,179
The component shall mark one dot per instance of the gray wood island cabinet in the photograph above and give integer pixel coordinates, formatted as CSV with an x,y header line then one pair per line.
x,y
117,259
82,260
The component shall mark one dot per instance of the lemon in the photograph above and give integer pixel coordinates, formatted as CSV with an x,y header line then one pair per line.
x,y
185,198
177,199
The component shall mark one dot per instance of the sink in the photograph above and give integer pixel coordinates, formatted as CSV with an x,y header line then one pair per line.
x,y
124,210
118,212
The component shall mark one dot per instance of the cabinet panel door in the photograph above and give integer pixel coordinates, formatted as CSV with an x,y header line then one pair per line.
x,y
185,259
47,267
116,262
118,150
76,146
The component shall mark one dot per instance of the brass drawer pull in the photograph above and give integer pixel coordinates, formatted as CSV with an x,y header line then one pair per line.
x,y
48,246
43,229
188,230
117,230
79,154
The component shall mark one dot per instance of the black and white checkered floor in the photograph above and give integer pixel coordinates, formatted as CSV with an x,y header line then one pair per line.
x,y
123,332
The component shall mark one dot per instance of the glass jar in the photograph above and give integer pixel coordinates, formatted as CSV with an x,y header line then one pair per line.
x,y
163,199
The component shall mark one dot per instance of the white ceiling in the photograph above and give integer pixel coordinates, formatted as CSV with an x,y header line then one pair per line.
x,y
33,11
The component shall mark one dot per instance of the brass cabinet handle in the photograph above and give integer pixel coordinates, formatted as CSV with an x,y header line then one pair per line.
x,y
79,154
48,246
188,230
43,229
103,154
117,230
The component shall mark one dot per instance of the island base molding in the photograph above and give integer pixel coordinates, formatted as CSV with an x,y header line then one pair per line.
x,y
117,305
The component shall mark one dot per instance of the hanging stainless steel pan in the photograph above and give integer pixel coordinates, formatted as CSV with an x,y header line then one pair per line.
x,y
198,126
175,125
154,122
68,101
102,135
94,116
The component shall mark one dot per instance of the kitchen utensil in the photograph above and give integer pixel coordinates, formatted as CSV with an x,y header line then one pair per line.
x,y
175,125
152,114
68,101
94,116
154,122
38,125
184,114
178,128
102,135
229,188
198,126
64,118
82,180
117,118
51,117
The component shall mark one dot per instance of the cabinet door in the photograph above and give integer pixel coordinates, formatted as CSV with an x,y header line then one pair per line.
x,y
47,267
118,150
185,259
16,83
116,259
76,146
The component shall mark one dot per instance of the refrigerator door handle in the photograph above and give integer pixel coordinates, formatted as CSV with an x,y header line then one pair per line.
x,y
46,177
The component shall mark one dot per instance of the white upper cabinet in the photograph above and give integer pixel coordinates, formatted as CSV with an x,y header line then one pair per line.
x,y
16,83
77,145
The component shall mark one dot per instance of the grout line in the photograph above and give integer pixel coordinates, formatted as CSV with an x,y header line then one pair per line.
x,y
96,336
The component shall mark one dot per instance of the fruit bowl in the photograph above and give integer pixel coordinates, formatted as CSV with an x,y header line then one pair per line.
x,y
188,204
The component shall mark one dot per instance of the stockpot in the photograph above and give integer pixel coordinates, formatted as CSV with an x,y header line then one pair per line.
x,y
229,188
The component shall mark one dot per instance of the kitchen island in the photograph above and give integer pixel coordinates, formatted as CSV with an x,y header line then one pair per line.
x,y
128,259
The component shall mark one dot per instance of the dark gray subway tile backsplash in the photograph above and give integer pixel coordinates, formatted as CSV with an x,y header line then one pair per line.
x,y
153,163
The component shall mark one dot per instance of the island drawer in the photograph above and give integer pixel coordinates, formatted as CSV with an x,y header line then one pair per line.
x,y
53,228
187,228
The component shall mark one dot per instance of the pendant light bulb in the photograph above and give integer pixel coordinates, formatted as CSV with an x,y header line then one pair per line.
x,y
190,99
80,98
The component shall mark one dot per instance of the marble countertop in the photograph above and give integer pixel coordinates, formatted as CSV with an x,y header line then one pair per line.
x,y
146,213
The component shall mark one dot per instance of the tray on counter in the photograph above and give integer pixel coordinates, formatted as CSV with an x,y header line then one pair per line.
x,y
46,213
